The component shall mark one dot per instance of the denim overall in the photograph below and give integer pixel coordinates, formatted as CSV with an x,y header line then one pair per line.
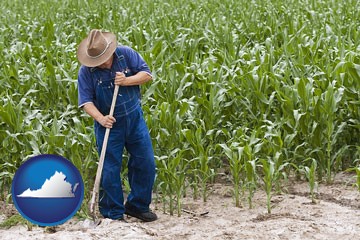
x,y
129,131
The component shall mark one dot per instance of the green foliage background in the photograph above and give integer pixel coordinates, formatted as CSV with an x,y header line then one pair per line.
x,y
237,84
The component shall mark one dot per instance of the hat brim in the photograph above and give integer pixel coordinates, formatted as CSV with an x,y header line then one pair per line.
x,y
85,60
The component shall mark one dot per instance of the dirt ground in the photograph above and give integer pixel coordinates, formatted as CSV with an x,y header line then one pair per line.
x,y
336,215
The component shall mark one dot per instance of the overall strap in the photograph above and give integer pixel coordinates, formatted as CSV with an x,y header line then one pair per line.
x,y
122,61
126,71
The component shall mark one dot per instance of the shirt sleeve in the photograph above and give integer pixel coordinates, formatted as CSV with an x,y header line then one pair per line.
x,y
135,61
86,91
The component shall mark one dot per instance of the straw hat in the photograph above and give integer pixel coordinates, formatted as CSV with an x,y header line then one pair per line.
x,y
97,48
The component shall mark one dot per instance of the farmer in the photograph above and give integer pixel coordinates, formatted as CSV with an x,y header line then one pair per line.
x,y
104,64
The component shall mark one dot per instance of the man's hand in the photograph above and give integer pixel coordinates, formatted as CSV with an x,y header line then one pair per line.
x,y
107,121
120,79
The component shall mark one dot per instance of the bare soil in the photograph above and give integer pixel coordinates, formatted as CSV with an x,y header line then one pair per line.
x,y
335,215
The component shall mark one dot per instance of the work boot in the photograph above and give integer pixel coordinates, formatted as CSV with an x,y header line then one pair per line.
x,y
145,216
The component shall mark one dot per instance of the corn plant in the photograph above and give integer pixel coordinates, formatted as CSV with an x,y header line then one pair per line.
x,y
310,173
250,169
200,163
331,100
358,177
171,176
251,149
234,153
268,167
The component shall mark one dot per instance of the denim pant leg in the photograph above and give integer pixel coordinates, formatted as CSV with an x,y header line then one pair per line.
x,y
141,166
111,199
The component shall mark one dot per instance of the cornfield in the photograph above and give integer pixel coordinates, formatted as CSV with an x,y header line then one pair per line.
x,y
253,91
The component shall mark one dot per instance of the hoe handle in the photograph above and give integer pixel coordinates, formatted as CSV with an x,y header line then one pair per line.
x,y
95,192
